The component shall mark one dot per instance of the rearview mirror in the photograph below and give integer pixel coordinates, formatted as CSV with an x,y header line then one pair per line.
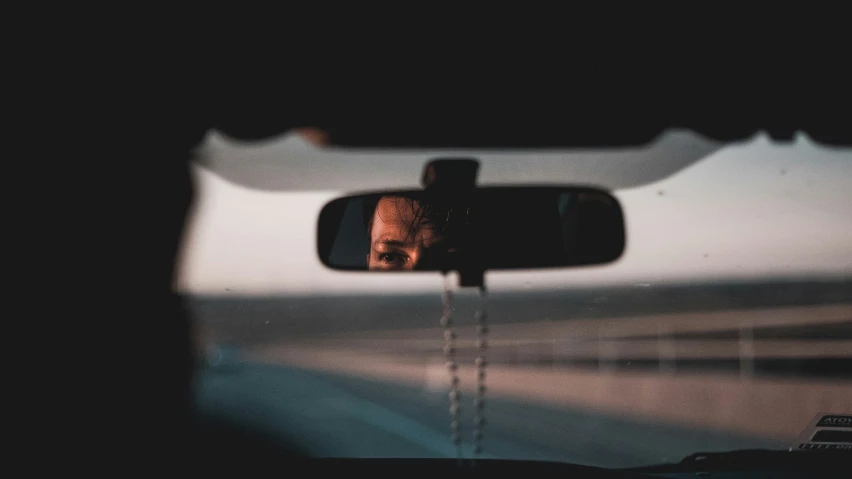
x,y
492,228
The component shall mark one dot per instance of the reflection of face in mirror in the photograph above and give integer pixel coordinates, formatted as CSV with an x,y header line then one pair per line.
x,y
486,228
403,234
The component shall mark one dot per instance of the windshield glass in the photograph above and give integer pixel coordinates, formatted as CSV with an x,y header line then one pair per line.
x,y
725,325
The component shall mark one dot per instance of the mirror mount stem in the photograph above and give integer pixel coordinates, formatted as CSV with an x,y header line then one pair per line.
x,y
456,178
450,174
471,277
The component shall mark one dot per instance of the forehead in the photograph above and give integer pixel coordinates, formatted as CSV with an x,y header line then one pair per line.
x,y
395,209
400,219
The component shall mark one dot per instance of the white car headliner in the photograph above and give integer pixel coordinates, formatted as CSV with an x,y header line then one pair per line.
x,y
288,163
695,211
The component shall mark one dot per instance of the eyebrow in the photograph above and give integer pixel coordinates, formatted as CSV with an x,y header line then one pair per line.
x,y
390,242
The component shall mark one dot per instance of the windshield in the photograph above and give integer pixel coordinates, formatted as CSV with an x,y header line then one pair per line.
x,y
725,325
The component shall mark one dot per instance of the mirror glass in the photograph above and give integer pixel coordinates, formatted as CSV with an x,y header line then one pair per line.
x,y
493,228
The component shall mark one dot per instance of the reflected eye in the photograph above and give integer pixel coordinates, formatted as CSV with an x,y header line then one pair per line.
x,y
393,260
